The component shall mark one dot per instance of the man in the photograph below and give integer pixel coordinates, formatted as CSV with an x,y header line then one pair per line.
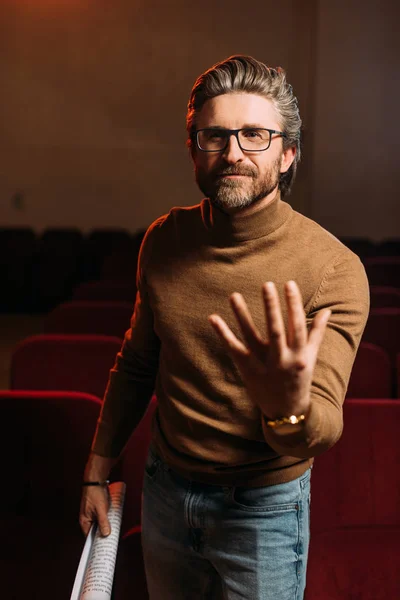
x,y
247,321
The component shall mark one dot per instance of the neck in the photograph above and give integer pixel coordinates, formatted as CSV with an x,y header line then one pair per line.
x,y
263,219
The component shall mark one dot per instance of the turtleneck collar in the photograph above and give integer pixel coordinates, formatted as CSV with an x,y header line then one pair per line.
x,y
241,227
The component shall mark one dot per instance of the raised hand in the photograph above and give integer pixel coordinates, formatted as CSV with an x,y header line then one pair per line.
x,y
276,369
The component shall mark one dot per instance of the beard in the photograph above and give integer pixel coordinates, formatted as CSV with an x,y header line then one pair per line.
x,y
237,193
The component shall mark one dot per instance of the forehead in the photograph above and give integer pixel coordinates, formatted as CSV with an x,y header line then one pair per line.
x,y
235,110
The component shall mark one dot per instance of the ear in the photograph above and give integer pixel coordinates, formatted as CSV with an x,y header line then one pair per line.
x,y
287,158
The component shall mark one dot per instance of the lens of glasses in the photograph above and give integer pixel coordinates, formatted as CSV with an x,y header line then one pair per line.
x,y
213,140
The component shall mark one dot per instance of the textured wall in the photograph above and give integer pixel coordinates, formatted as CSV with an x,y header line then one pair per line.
x,y
356,174
94,100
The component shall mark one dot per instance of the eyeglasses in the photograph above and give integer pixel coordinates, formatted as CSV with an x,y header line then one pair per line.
x,y
255,139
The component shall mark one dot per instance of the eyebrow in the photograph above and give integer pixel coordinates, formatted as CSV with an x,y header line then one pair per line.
x,y
246,126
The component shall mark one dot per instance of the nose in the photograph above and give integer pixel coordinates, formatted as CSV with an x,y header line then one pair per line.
x,y
232,153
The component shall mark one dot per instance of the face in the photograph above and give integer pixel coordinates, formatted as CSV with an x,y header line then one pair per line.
x,y
231,178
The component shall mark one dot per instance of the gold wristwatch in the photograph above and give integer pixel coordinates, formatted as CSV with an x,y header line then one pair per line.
x,y
287,424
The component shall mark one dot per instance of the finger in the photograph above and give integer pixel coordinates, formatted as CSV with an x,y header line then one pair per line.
x,y
273,314
85,524
318,328
229,339
297,326
104,523
247,326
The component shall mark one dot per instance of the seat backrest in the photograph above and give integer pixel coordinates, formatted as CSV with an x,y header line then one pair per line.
x,y
45,444
383,329
356,483
98,244
371,376
383,270
129,576
17,248
389,247
104,240
364,247
102,318
132,467
64,362
16,243
120,265
398,375
384,297
106,291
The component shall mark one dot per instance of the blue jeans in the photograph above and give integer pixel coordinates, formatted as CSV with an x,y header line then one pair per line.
x,y
215,542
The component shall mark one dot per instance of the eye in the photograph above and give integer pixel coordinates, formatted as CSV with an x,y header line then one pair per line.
x,y
253,134
214,134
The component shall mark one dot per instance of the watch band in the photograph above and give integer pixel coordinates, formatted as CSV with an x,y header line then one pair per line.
x,y
292,420
100,483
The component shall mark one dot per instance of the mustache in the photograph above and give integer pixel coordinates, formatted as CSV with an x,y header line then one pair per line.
x,y
235,171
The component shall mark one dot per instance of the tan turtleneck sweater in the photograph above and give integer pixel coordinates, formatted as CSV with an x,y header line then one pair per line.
x,y
205,426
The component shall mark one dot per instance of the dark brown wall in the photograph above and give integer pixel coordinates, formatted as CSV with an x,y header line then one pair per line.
x,y
94,97
356,173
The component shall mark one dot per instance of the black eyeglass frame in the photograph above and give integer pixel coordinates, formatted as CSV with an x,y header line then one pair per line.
x,y
235,132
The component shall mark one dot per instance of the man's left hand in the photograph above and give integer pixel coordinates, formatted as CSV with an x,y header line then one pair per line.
x,y
277,371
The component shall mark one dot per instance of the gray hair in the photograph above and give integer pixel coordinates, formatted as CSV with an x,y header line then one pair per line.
x,y
241,73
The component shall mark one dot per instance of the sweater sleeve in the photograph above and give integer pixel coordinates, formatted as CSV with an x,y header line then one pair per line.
x,y
345,290
132,379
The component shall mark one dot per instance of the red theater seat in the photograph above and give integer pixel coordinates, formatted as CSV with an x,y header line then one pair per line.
x,y
102,318
383,270
355,519
350,564
99,244
363,247
383,329
371,376
132,468
47,437
384,297
121,265
64,362
398,375
129,578
45,442
55,268
389,247
17,249
106,291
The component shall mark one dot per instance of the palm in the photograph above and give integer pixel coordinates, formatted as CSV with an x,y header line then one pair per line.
x,y
277,372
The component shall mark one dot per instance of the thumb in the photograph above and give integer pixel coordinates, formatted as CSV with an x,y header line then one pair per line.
x,y
104,523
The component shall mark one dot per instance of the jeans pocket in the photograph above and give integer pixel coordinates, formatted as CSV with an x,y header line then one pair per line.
x,y
272,498
152,464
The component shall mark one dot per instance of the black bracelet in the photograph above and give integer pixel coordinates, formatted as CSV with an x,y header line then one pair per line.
x,y
101,483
